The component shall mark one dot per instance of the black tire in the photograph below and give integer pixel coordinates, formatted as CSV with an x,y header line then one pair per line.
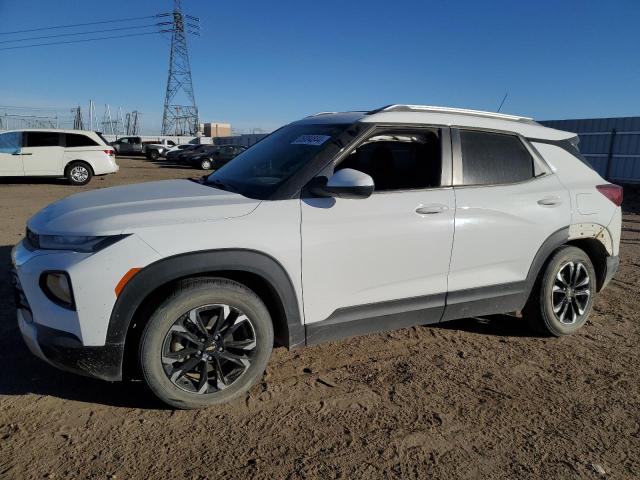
x,y
78,173
206,164
561,302
166,328
153,155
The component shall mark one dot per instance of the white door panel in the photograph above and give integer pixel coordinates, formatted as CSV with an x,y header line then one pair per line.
x,y
42,160
359,252
499,229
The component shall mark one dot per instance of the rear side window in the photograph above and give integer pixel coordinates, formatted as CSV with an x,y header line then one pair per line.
x,y
41,139
494,158
78,140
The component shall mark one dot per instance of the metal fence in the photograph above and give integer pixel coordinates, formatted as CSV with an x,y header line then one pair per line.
x,y
612,145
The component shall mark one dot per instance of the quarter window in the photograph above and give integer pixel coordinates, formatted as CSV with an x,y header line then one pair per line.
x,y
42,139
399,159
494,158
78,140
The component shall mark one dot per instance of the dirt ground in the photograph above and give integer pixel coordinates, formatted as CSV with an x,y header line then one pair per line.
x,y
476,398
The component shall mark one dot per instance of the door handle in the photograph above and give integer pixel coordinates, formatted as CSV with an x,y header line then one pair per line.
x,y
431,209
550,201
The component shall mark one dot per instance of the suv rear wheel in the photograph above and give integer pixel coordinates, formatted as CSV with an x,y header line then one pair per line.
x,y
207,344
78,173
563,296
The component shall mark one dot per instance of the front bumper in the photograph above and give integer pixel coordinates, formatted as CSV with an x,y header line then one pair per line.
x,y
64,350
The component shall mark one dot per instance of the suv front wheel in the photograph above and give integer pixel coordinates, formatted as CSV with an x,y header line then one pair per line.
x,y
563,296
207,344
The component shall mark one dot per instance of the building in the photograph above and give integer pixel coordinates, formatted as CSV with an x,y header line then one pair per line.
x,y
611,145
217,129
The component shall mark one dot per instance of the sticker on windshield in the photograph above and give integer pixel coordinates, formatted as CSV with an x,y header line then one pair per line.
x,y
314,140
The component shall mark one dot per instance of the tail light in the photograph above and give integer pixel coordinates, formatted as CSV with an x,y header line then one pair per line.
x,y
612,192
111,153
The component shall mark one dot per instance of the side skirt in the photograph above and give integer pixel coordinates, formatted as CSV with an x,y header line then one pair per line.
x,y
430,309
376,317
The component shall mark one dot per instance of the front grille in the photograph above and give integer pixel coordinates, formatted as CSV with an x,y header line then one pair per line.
x,y
18,294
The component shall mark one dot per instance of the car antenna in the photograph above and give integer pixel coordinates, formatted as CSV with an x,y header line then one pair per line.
x,y
502,102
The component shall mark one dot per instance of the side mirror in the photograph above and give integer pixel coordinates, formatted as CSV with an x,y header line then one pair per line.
x,y
345,183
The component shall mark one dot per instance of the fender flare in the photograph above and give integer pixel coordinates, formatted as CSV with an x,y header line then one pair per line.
x,y
184,265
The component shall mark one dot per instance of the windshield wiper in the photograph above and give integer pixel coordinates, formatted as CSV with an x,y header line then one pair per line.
x,y
221,185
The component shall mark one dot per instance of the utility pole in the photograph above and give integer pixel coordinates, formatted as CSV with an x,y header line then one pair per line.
x,y
180,118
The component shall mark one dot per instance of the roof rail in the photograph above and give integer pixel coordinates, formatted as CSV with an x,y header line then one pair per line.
x,y
321,113
461,111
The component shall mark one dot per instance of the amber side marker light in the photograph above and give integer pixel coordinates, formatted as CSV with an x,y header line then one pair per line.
x,y
125,279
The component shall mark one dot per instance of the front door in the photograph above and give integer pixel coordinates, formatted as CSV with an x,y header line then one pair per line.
x,y
381,262
42,153
10,156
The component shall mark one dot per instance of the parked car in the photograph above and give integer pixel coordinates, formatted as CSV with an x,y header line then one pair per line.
x,y
77,155
187,152
213,156
335,225
136,146
176,148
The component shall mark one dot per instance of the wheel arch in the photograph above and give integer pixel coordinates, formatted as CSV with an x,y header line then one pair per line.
x,y
78,160
593,246
256,270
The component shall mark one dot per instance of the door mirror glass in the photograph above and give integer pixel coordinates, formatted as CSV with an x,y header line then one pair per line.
x,y
345,183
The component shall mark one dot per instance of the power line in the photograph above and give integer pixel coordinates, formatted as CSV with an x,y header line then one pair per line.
x,y
83,33
83,40
80,24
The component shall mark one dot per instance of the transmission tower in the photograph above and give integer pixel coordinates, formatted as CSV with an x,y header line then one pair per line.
x,y
180,116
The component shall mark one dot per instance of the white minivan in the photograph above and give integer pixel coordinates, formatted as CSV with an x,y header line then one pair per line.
x,y
77,155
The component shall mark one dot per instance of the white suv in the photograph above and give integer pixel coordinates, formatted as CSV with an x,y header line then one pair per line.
x,y
339,224
75,154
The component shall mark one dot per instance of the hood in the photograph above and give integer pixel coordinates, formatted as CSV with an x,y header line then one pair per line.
x,y
116,210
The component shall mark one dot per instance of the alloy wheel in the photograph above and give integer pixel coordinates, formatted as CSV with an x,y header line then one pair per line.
x,y
209,348
571,292
79,174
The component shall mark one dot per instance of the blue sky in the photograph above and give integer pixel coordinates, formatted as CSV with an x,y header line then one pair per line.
x,y
260,64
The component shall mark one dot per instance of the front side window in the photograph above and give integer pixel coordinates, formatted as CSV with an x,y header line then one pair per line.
x,y
494,158
259,171
123,140
42,139
10,142
78,140
399,159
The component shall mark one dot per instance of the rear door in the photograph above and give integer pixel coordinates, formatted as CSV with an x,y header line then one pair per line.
x,y
508,203
387,254
10,154
42,153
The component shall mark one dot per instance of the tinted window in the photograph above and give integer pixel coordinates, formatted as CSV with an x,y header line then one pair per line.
x,y
399,160
78,140
10,142
494,158
42,139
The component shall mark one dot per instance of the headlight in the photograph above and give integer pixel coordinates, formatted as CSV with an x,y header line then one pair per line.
x,y
83,244
57,287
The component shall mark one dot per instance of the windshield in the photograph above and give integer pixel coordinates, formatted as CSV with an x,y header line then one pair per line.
x,y
258,171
